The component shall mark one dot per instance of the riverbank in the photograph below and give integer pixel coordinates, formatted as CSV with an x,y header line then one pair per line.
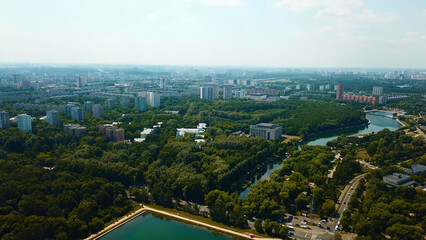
x,y
195,220
116,224
307,138
183,217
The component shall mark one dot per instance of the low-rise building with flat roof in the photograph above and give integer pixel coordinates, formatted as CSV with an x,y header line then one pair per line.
x,y
267,131
399,179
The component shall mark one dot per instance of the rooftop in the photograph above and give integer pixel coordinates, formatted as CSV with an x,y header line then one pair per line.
x,y
266,125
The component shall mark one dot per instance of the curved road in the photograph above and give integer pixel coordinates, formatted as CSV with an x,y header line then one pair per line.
x,y
344,198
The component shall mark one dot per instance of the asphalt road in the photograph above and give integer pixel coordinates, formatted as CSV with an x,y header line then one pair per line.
x,y
344,198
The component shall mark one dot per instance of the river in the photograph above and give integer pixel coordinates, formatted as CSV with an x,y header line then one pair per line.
x,y
378,122
150,227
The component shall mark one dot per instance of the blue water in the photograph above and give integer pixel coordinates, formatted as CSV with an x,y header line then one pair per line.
x,y
266,175
150,227
377,124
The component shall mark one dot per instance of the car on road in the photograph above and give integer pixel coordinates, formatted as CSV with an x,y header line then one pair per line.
x,y
344,202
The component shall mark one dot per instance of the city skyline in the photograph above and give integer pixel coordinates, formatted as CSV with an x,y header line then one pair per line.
x,y
286,33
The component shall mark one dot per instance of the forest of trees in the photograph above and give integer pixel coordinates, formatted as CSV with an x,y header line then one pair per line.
x,y
376,210
384,148
50,180
55,186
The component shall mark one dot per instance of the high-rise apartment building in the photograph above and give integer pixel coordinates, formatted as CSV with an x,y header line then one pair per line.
x,y
140,103
339,91
52,117
97,110
208,78
163,83
76,113
377,91
88,106
215,90
68,108
206,92
75,130
24,122
79,82
112,132
4,120
240,94
110,103
26,85
154,99
125,101
227,92
151,98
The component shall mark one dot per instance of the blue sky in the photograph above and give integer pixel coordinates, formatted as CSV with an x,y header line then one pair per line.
x,y
268,33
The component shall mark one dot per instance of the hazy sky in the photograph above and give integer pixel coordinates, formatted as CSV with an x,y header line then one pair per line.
x,y
278,33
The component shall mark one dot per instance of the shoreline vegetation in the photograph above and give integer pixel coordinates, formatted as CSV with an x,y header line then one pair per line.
x,y
310,136
185,217
199,220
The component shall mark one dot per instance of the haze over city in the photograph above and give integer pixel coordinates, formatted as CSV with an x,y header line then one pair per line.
x,y
273,33
213,120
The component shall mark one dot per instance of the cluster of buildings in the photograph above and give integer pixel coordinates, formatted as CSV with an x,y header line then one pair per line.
x,y
97,110
376,98
112,132
400,179
75,130
312,87
196,132
147,131
360,98
24,121
147,98
210,91
76,113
